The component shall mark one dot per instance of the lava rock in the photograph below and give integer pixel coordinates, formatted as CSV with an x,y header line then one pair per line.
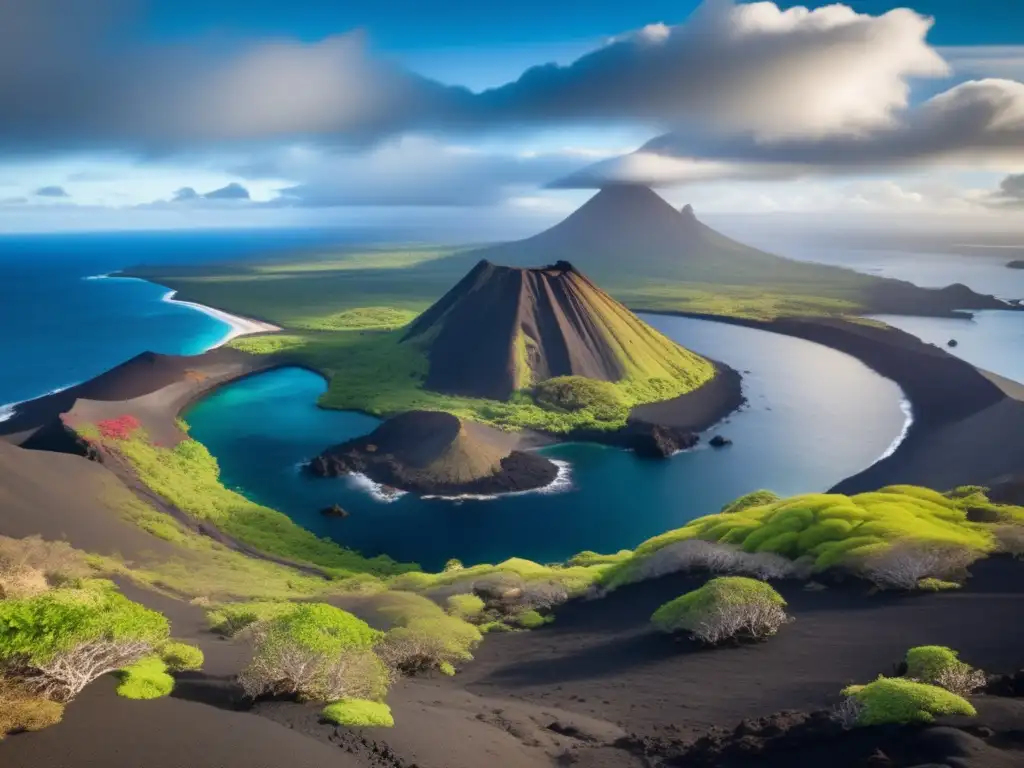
x,y
335,510
718,441
952,343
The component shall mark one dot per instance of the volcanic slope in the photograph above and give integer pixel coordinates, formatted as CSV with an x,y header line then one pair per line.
x,y
627,236
631,231
502,329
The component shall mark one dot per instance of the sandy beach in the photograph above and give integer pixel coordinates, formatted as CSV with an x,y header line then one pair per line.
x,y
239,326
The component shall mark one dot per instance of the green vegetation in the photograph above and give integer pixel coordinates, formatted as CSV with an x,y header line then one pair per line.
x,y
531,619
938,665
826,530
38,629
145,679
574,394
936,585
359,713
188,477
231,618
361,319
65,638
753,499
723,608
898,700
927,662
181,657
465,607
375,372
423,637
316,652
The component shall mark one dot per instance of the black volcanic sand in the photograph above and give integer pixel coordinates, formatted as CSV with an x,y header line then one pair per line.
x,y
36,423
431,452
597,688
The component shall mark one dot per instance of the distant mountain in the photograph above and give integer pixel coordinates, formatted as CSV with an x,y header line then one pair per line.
x,y
504,328
629,235
629,231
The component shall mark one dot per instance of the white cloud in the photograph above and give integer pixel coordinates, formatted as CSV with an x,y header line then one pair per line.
x,y
975,124
749,67
410,171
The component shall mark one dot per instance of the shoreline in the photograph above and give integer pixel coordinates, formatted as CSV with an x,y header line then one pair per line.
x,y
942,390
237,324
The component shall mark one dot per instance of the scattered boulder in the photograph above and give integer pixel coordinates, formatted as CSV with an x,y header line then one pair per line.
x,y
718,441
952,343
658,442
335,510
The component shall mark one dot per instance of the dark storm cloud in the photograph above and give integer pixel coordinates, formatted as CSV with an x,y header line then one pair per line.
x,y
232,191
1010,193
51,191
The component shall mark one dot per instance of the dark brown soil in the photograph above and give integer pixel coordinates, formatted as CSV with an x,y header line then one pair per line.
x,y
431,452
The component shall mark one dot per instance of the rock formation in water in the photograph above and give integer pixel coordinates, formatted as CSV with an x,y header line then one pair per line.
x,y
430,452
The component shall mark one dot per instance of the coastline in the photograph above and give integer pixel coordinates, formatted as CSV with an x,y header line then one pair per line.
x,y
237,325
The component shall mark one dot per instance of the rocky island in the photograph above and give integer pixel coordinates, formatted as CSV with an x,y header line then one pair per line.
x,y
435,453
1016,264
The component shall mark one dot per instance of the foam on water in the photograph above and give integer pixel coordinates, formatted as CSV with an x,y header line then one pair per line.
x,y
908,411
561,484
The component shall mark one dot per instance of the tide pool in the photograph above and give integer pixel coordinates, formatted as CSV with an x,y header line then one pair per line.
x,y
814,417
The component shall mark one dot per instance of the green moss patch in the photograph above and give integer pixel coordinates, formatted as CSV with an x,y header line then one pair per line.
x,y
896,700
359,713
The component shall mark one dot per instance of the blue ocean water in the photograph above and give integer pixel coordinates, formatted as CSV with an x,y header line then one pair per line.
x,y
815,416
58,327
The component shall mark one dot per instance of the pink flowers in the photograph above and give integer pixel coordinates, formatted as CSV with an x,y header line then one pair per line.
x,y
120,428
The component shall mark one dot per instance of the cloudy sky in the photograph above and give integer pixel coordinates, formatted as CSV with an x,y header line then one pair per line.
x,y
126,114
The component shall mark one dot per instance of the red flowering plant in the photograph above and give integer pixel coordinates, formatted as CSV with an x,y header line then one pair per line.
x,y
120,428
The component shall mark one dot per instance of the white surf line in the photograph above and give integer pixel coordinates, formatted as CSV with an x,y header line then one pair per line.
x,y
361,482
238,325
561,484
7,410
908,411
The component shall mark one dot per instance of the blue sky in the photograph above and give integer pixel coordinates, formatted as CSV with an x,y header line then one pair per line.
x,y
332,111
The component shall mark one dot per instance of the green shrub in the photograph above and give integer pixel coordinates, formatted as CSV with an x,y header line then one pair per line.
x,y
926,662
828,530
316,652
425,643
466,607
588,558
20,710
725,607
68,637
936,585
530,620
447,669
752,499
897,700
181,657
601,399
359,713
145,679
231,618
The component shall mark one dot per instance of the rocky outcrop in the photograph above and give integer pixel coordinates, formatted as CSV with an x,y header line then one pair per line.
x,y
1016,264
434,453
